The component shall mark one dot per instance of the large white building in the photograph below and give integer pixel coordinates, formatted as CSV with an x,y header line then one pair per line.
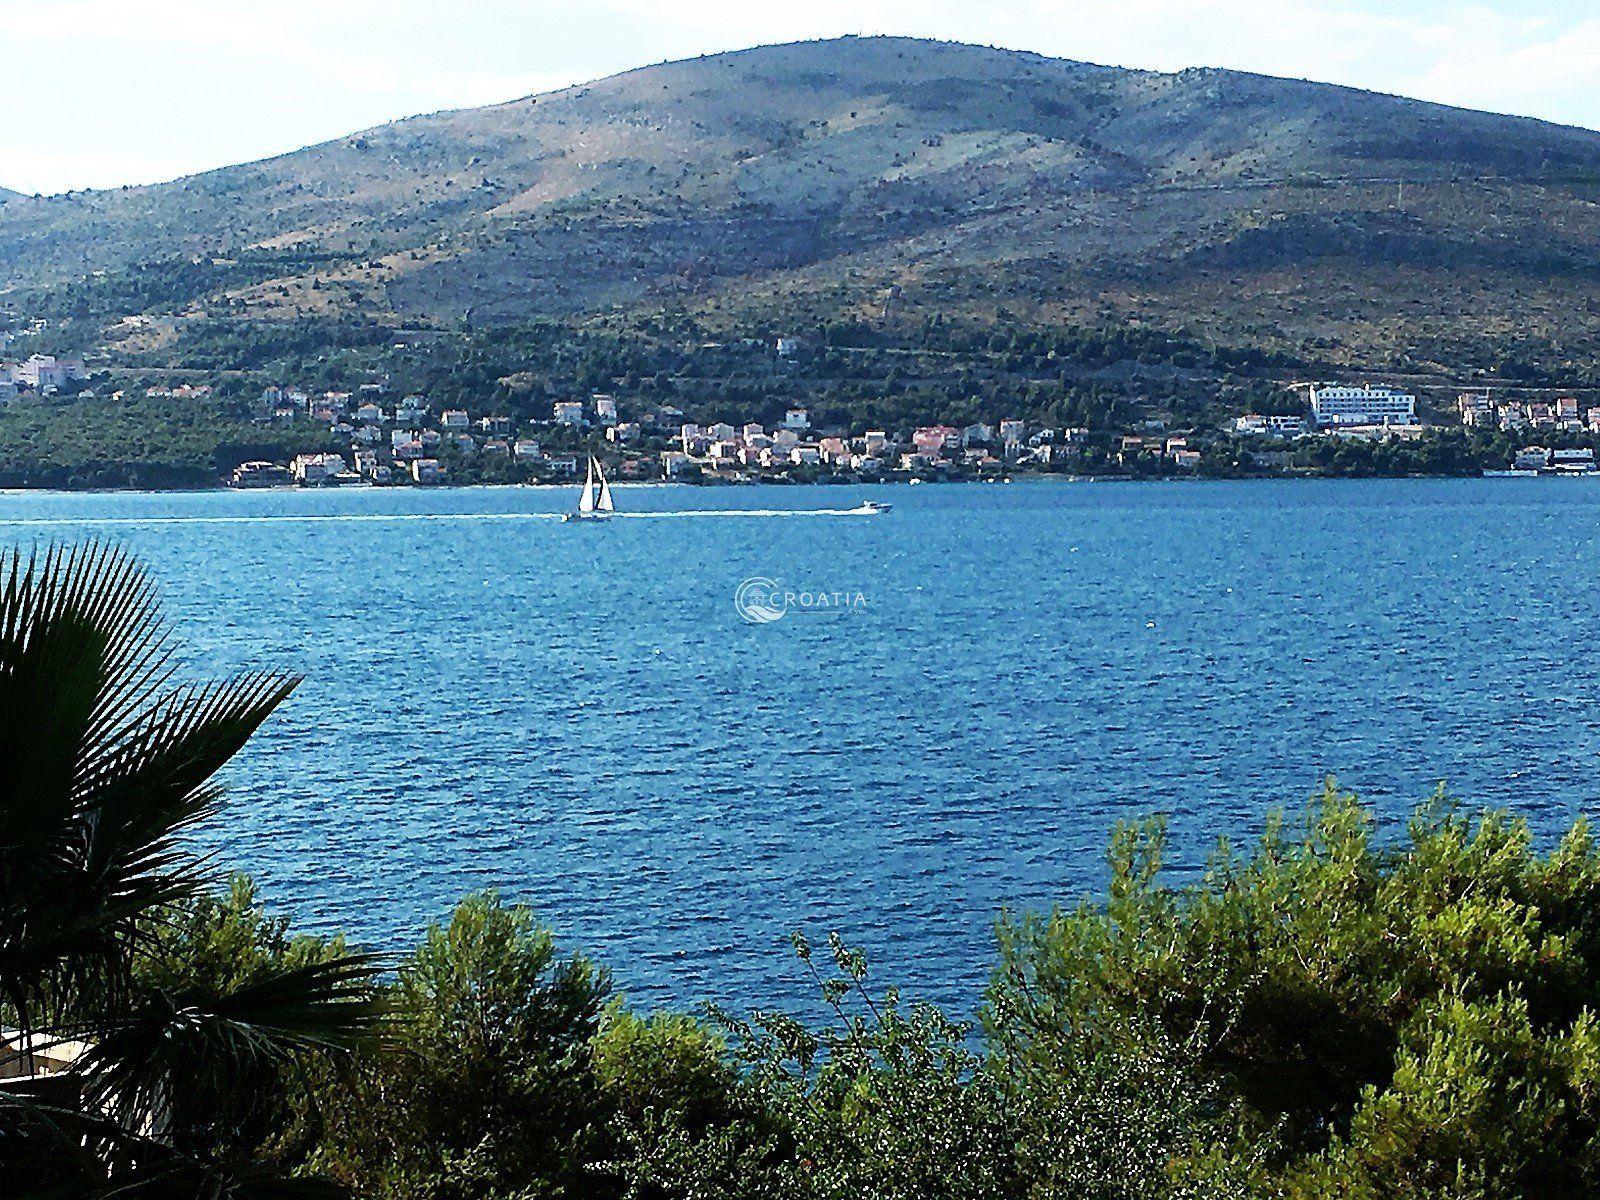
x,y
1334,404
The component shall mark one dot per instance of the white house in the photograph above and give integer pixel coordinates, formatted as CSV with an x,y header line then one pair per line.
x,y
316,468
796,418
1268,425
410,410
568,412
1532,458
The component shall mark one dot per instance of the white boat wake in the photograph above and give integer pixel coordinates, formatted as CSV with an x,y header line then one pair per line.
x,y
314,518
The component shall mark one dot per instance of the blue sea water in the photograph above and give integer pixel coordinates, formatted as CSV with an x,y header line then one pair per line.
x,y
579,717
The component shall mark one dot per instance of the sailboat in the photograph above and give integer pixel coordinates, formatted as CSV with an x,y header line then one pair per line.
x,y
595,504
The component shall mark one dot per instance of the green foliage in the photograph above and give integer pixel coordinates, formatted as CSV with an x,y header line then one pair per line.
x,y
666,1064
490,1090
889,1101
142,442
1416,1016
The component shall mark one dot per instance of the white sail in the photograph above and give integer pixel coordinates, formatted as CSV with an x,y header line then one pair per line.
x,y
586,501
604,504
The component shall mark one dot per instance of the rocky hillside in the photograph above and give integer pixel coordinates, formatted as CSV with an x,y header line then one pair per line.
x,y
835,177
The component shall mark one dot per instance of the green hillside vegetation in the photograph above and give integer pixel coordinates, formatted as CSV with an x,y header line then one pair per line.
x,y
140,443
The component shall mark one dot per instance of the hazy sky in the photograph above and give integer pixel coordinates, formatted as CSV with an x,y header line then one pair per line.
x,y
106,92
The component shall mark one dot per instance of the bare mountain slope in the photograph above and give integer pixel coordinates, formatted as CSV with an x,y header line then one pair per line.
x,y
830,170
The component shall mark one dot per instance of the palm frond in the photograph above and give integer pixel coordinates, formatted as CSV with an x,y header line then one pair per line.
x,y
214,1045
103,767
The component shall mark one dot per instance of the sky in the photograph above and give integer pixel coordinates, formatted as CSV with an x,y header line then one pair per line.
x,y
101,93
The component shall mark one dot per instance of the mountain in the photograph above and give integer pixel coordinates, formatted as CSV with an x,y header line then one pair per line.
x,y
816,177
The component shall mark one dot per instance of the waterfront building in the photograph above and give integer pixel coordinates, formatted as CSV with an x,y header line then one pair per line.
x,y
1531,458
259,474
1341,404
316,468
1572,462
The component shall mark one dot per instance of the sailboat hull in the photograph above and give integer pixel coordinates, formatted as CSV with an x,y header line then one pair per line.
x,y
585,516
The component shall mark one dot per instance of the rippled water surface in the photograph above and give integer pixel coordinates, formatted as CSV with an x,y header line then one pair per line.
x,y
579,717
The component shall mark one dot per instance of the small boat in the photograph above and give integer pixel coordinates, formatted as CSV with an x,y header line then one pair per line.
x,y
875,506
593,505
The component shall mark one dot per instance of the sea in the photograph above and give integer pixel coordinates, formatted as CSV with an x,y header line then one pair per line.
x,y
732,713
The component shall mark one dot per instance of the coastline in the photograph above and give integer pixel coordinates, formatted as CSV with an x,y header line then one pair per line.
x,y
1035,479
1031,478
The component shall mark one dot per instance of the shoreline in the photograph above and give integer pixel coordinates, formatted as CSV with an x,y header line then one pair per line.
x,y
639,485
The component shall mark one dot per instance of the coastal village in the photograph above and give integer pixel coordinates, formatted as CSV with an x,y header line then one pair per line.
x,y
379,438
410,440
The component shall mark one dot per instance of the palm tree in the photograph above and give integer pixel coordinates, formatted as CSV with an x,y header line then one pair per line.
x,y
106,764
